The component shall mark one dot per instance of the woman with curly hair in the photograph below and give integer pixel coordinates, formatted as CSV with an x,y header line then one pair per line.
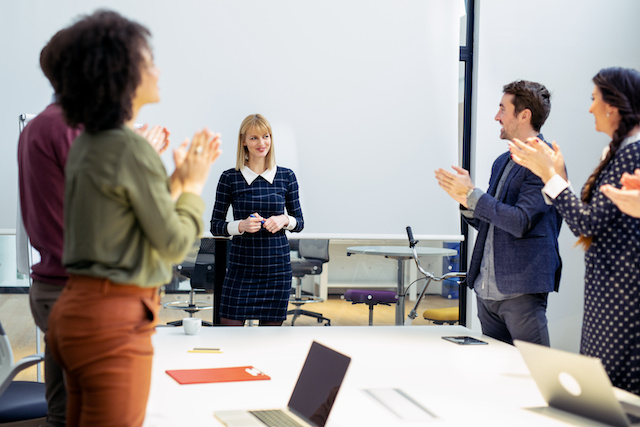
x,y
611,323
125,223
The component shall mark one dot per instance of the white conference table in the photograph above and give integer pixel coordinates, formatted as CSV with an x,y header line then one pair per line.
x,y
400,254
461,385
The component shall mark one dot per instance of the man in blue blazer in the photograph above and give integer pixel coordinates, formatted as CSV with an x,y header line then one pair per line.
x,y
515,261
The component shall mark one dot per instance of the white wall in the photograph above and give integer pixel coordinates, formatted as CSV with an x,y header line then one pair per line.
x,y
559,43
562,45
361,95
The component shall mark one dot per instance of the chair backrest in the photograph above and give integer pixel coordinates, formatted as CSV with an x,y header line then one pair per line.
x,y
6,358
294,245
24,254
204,271
314,249
8,369
207,245
200,263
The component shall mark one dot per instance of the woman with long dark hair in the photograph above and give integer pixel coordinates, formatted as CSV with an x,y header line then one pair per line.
x,y
125,222
611,324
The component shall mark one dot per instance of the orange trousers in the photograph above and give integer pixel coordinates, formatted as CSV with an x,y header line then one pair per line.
x,y
100,333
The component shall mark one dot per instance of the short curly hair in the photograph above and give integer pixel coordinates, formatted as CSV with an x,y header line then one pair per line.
x,y
95,68
533,96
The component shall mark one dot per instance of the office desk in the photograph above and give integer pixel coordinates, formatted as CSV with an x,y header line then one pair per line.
x,y
338,242
336,273
400,253
462,385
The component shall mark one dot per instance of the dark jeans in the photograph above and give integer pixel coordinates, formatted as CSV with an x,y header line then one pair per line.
x,y
522,318
42,297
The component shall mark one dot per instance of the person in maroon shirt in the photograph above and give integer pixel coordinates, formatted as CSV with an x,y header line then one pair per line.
x,y
42,154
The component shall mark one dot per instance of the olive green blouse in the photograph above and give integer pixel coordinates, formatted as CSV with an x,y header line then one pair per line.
x,y
120,222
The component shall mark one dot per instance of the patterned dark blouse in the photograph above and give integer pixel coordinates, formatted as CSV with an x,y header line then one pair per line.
x,y
611,324
258,279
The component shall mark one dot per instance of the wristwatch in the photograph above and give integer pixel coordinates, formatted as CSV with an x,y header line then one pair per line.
x,y
469,192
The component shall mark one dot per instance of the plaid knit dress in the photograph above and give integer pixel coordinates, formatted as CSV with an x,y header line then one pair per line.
x,y
258,280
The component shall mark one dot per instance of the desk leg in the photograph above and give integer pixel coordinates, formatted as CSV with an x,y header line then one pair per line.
x,y
324,283
400,304
220,271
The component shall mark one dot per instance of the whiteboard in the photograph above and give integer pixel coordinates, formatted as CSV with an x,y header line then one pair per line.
x,y
362,95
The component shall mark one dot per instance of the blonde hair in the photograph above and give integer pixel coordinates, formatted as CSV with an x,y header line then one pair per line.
x,y
254,123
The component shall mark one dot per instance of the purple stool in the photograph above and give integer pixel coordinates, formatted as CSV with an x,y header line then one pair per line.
x,y
371,298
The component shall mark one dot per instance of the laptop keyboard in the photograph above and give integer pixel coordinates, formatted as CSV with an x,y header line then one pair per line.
x,y
276,418
632,412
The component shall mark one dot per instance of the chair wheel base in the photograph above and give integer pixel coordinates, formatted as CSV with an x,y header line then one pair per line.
x,y
179,323
299,312
191,308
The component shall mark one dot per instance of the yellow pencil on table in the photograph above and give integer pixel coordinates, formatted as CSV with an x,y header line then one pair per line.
x,y
205,350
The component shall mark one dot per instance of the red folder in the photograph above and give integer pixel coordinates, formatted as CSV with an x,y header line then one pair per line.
x,y
217,375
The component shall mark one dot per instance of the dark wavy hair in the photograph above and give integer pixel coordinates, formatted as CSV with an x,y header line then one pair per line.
x,y
95,68
49,58
620,88
532,96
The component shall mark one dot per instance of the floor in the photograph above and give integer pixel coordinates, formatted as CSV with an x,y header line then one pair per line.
x,y
20,328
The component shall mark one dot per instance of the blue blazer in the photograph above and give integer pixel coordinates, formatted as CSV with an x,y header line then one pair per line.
x,y
526,255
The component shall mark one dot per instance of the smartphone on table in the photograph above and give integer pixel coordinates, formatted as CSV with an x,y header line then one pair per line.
x,y
463,340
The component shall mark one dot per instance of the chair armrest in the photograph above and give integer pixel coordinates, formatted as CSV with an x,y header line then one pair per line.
x,y
21,365
28,361
24,363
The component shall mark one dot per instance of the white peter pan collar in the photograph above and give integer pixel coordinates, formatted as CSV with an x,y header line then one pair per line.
x,y
630,140
250,176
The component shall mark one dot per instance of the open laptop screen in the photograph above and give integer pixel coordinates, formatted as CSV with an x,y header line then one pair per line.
x,y
573,383
318,384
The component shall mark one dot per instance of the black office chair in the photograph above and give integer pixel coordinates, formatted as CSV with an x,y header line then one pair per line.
x,y
313,253
21,402
199,267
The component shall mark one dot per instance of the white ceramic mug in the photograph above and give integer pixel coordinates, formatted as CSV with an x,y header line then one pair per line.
x,y
191,325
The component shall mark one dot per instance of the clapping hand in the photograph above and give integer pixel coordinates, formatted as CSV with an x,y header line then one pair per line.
x,y
193,159
457,185
538,157
157,136
629,181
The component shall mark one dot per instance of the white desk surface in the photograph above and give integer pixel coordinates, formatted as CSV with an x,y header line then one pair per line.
x,y
400,251
462,385
355,236
372,236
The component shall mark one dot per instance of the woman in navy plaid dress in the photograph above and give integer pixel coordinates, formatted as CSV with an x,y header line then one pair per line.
x,y
611,323
258,280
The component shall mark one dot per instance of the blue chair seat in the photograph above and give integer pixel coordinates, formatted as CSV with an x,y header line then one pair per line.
x,y
23,400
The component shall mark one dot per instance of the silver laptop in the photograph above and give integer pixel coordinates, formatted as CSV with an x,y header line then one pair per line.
x,y
312,397
579,384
